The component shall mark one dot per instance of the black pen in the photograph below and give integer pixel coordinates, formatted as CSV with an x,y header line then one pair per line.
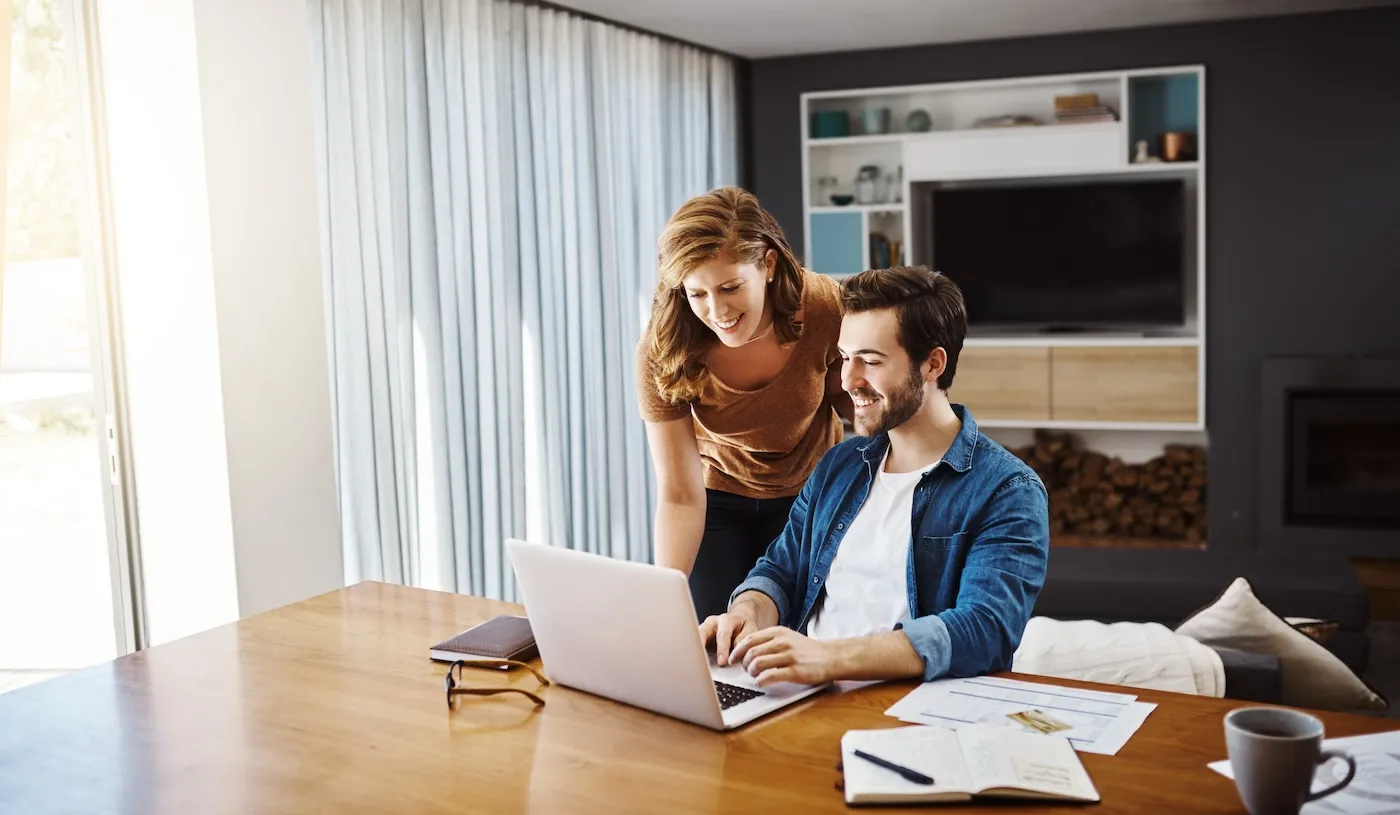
x,y
909,775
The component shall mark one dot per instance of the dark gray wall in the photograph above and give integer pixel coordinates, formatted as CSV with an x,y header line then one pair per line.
x,y
1303,187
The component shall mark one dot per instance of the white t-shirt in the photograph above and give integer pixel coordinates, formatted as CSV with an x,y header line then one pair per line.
x,y
867,589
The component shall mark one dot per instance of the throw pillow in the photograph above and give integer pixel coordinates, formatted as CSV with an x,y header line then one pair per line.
x,y
1312,676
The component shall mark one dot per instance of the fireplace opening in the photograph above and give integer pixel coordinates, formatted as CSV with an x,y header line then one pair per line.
x,y
1343,459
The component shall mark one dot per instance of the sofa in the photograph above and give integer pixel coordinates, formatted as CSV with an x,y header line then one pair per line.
x,y
1168,586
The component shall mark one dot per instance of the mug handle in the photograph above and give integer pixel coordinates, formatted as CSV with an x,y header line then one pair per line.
x,y
1326,756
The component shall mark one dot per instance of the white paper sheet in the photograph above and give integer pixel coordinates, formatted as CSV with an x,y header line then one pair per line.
x,y
1374,791
1100,722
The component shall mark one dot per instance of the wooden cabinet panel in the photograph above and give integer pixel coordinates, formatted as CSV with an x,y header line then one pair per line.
x,y
1124,384
1003,383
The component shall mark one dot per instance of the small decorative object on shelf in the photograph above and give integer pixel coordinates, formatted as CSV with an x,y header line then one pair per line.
x,y
1141,156
876,120
830,124
826,187
842,200
918,121
1178,146
868,185
891,191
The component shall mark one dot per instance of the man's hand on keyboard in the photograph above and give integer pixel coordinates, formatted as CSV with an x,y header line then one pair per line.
x,y
779,654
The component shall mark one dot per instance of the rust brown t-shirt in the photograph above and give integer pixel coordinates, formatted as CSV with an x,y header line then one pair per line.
x,y
763,443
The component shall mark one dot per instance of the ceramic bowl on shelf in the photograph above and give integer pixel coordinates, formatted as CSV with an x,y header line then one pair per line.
x,y
842,200
830,124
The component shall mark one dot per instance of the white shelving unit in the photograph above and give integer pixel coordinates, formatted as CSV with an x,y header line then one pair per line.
x,y
890,207
953,151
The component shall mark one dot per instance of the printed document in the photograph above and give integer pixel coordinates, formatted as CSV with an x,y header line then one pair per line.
x,y
1092,721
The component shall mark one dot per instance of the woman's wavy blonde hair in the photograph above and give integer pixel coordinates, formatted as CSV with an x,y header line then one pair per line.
x,y
727,222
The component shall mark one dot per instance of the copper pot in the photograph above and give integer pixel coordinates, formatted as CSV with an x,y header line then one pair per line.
x,y
1178,146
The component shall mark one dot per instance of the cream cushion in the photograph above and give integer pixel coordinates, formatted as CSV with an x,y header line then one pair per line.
x,y
1136,655
1312,676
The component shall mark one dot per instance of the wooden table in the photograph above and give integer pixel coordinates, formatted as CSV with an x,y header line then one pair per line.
x,y
332,705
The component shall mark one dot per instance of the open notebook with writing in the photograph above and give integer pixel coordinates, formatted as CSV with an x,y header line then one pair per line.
x,y
972,762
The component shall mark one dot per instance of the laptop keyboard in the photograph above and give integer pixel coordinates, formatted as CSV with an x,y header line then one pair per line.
x,y
731,695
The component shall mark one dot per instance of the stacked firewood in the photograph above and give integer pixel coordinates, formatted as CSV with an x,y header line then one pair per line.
x,y
1095,496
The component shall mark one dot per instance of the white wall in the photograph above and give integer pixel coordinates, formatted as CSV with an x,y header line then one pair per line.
x,y
260,150
209,126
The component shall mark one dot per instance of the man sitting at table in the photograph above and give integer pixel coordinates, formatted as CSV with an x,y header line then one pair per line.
x,y
916,550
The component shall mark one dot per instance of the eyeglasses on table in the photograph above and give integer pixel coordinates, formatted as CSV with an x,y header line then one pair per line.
x,y
455,687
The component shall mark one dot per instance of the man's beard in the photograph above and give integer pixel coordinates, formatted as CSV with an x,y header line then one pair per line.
x,y
900,405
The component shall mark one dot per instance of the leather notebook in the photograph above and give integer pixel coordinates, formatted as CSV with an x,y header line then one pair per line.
x,y
501,637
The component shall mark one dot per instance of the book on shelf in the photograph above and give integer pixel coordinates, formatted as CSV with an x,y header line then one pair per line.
x,y
935,764
1098,113
1007,120
1076,101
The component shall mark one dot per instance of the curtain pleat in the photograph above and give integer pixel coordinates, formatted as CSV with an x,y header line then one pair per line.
x,y
494,176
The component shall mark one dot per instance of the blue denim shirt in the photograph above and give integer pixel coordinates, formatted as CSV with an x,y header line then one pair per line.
x,y
979,548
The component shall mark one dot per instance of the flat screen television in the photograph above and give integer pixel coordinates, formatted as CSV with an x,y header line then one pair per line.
x,y
1065,256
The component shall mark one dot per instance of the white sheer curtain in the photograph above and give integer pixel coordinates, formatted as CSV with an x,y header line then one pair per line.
x,y
494,176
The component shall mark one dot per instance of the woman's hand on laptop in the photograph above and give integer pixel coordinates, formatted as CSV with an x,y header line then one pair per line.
x,y
749,612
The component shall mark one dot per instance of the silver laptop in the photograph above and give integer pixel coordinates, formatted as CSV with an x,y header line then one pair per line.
x,y
627,631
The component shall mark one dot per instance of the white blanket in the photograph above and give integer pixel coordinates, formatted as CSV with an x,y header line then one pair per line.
x,y
1138,655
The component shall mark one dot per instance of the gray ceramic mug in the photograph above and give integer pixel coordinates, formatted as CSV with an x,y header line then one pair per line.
x,y
1274,754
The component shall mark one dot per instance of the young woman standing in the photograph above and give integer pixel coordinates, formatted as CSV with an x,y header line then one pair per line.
x,y
739,382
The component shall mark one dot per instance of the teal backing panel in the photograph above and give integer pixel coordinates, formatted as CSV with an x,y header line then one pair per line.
x,y
1160,104
836,243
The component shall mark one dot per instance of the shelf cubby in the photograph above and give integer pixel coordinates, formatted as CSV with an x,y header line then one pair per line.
x,y
1161,104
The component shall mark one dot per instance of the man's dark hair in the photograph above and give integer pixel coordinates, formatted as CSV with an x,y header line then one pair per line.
x,y
928,307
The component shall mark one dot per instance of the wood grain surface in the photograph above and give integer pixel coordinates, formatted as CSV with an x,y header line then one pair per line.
x,y
332,705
